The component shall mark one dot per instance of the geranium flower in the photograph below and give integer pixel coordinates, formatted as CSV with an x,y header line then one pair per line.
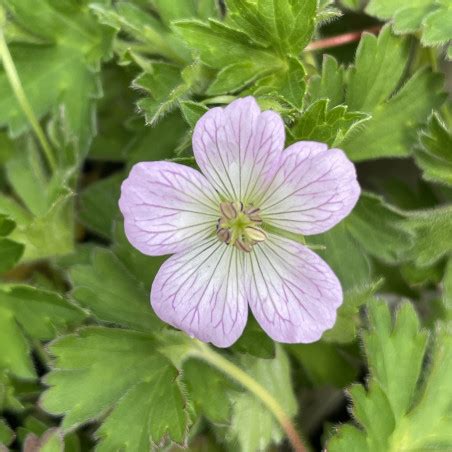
x,y
221,227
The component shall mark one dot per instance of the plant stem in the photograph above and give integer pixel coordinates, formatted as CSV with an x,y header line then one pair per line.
x,y
16,85
339,40
204,352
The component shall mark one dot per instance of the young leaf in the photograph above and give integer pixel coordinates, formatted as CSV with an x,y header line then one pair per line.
x,y
287,84
434,155
164,83
39,314
392,413
284,24
145,403
319,122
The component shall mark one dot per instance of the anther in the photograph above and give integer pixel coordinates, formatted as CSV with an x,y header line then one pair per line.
x,y
224,235
244,246
228,210
255,234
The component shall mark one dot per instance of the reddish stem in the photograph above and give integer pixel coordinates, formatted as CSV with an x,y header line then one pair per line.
x,y
339,40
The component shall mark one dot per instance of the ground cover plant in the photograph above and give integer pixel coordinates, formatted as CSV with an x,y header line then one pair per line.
x,y
92,89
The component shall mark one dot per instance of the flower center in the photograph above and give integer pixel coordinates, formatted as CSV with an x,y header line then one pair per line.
x,y
240,225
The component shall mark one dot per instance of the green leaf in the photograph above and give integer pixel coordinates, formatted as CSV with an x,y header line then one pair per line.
x,y
6,433
219,45
192,111
330,83
434,156
10,251
112,293
10,254
288,84
432,18
447,290
373,83
319,122
144,28
39,314
287,25
344,254
379,66
208,390
397,411
174,10
325,363
145,403
99,204
61,74
159,141
45,218
433,235
389,242
164,82
253,426
235,77
348,316
254,341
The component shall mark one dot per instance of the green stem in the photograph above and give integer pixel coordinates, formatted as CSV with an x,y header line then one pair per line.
x,y
16,85
205,353
433,58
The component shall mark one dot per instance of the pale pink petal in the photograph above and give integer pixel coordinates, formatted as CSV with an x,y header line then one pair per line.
x,y
167,207
312,191
200,291
292,292
236,147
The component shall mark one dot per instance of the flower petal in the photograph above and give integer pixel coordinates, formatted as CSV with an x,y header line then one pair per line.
x,y
167,206
313,190
236,147
201,292
292,292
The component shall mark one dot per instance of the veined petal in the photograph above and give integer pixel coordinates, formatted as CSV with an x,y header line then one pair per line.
x,y
167,207
292,292
200,291
312,191
236,147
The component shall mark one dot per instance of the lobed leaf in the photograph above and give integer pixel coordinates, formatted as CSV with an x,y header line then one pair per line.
x,y
397,411
89,379
434,155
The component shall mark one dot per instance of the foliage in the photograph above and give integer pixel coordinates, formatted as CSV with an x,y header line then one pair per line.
x,y
84,362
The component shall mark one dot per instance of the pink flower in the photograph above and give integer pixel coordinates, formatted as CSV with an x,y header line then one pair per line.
x,y
221,227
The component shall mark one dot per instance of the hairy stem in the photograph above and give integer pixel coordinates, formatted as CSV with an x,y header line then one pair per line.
x,y
16,85
204,352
